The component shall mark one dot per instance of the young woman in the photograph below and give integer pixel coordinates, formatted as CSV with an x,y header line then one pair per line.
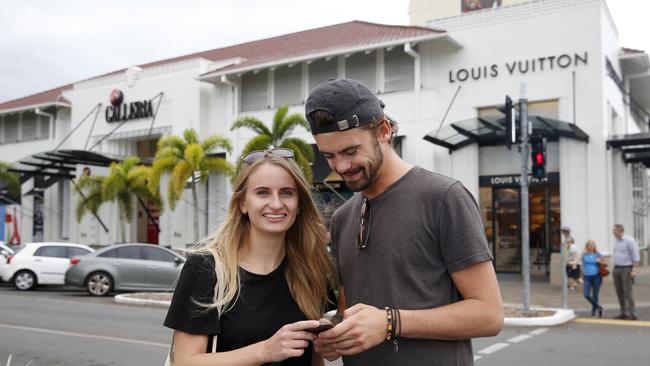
x,y
592,279
262,282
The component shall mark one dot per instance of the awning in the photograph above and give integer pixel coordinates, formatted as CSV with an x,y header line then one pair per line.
x,y
489,131
635,148
59,163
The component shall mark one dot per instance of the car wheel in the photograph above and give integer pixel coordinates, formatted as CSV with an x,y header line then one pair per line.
x,y
99,284
25,280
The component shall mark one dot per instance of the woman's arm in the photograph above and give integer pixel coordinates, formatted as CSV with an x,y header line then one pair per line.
x,y
289,341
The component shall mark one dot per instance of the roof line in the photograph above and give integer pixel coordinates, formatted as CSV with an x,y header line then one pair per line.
x,y
209,75
34,106
201,54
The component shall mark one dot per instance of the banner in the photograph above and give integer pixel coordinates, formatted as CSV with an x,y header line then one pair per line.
x,y
11,231
472,5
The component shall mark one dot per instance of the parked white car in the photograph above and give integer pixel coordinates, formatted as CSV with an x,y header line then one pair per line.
x,y
5,252
41,264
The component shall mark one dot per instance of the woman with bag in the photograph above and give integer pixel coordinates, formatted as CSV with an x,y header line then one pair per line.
x,y
261,283
591,267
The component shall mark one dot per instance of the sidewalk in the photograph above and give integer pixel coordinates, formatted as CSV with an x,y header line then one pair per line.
x,y
550,296
542,295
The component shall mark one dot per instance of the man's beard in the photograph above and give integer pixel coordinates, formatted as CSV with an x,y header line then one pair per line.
x,y
369,176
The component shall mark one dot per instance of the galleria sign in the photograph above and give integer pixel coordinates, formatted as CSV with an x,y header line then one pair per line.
x,y
119,112
522,67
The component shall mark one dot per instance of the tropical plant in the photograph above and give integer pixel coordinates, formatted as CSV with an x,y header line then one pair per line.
x,y
127,182
266,139
9,180
189,161
89,189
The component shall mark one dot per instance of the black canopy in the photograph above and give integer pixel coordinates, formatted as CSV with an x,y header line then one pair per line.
x,y
487,131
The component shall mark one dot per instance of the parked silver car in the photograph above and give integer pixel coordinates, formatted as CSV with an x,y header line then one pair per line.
x,y
125,267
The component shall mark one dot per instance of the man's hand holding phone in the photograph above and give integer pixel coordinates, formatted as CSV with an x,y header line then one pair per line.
x,y
327,322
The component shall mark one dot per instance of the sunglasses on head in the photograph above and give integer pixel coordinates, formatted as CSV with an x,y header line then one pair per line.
x,y
254,156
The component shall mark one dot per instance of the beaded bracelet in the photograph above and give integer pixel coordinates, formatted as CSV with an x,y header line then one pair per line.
x,y
389,323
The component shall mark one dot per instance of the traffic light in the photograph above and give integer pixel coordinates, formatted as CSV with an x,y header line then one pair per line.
x,y
510,134
538,154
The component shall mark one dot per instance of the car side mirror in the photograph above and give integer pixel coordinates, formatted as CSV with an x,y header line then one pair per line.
x,y
178,261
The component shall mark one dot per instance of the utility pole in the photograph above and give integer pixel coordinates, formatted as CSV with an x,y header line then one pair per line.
x,y
525,233
565,279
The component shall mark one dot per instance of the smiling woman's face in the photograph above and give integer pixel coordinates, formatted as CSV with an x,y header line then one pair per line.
x,y
271,200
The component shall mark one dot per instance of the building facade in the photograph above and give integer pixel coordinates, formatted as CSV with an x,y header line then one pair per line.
x,y
442,83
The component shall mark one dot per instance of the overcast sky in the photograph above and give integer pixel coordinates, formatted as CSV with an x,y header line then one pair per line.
x,y
45,44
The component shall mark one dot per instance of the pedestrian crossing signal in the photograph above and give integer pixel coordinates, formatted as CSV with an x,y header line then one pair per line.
x,y
538,155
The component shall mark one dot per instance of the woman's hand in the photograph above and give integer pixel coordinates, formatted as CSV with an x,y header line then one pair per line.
x,y
289,341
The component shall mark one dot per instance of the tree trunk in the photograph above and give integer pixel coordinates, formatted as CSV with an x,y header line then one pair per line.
x,y
195,200
123,229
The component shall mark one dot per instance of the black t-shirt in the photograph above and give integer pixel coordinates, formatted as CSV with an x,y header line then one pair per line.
x,y
264,305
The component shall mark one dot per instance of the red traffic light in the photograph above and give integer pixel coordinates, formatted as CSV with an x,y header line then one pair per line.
x,y
539,158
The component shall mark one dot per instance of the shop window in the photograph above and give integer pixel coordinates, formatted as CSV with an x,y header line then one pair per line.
x,y
399,70
44,130
254,91
288,85
322,70
11,129
547,108
639,202
362,67
29,127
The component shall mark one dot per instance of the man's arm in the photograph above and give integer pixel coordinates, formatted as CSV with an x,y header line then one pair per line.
x,y
479,314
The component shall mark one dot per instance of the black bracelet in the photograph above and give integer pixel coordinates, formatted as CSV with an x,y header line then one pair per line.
x,y
397,333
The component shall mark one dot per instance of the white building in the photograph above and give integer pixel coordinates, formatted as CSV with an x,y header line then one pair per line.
x,y
442,83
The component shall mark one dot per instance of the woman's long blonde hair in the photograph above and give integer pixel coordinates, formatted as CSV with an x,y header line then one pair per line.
x,y
309,269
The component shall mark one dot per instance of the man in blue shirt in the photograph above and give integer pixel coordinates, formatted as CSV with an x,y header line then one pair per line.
x,y
626,259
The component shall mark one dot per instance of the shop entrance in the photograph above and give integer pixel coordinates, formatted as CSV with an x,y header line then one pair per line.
x,y
501,212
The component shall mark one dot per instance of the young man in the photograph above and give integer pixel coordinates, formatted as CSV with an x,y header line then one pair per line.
x,y
626,259
416,277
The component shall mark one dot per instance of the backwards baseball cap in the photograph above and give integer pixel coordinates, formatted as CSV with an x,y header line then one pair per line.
x,y
350,103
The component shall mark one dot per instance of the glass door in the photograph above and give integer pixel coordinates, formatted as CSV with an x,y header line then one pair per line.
x,y
507,230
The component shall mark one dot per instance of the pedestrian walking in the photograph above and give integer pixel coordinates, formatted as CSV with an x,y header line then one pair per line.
x,y
591,261
416,277
573,269
254,292
626,260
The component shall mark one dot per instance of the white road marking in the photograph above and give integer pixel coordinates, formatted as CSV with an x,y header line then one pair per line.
x,y
493,348
538,331
83,335
519,338
499,346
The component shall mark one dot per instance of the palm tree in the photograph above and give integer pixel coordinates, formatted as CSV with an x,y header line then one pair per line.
x,y
89,189
266,139
9,180
186,159
126,182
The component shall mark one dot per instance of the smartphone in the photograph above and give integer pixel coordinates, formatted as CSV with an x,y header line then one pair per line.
x,y
324,325
328,322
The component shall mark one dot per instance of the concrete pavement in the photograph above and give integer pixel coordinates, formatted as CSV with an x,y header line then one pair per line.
x,y
547,295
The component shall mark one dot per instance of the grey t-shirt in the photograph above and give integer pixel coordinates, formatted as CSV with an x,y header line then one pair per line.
x,y
423,227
